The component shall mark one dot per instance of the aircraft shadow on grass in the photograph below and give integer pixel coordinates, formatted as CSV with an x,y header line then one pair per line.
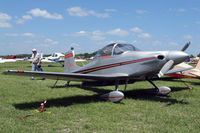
x,y
196,82
137,94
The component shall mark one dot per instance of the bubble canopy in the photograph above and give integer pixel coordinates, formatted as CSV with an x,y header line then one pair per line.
x,y
116,49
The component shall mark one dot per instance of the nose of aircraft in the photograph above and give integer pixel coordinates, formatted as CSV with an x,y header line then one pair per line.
x,y
178,56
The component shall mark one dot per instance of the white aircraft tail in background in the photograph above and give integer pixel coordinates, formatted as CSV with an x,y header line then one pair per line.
x,y
198,65
192,73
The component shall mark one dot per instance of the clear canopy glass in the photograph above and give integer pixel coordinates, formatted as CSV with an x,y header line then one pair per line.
x,y
116,49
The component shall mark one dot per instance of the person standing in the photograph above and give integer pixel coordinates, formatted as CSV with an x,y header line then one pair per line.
x,y
36,60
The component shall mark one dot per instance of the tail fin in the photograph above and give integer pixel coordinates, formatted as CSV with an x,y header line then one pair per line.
x,y
198,65
69,64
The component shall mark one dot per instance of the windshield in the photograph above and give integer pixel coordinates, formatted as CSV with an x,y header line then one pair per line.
x,y
121,48
116,49
106,51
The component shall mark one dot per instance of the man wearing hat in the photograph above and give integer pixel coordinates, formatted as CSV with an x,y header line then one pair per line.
x,y
36,61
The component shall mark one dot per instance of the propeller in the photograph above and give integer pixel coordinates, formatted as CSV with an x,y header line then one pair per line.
x,y
165,68
185,46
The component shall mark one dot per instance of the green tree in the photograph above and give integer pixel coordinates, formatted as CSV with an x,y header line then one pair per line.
x,y
191,56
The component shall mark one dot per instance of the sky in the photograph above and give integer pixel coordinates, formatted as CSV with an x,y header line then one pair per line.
x,y
88,25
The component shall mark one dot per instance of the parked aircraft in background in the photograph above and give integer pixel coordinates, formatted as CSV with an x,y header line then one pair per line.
x,y
59,58
79,60
115,64
55,57
192,73
7,60
194,60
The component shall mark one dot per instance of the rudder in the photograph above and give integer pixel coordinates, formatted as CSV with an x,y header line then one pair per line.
x,y
69,64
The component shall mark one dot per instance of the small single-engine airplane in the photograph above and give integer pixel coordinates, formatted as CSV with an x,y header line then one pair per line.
x,y
55,57
192,73
58,58
7,60
115,64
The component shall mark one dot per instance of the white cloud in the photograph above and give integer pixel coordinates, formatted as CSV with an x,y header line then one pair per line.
x,y
141,11
173,43
98,36
38,13
178,10
196,9
156,43
140,33
49,41
11,34
110,10
118,32
78,11
81,33
188,37
45,14
181,10
144,35
28,34
137,30
4,20
95,35
23,19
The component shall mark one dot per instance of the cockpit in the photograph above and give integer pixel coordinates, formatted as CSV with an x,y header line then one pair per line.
x,y
54,55
116,49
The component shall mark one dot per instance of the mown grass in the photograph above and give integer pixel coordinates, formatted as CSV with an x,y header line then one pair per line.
x,y
73,109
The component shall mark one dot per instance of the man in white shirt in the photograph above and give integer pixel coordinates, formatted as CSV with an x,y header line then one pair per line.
x,y
36,61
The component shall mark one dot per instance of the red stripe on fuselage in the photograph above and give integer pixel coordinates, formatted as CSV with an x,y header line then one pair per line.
x,y
114,65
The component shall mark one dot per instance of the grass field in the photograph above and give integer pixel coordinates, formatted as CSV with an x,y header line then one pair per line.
x,y
72,109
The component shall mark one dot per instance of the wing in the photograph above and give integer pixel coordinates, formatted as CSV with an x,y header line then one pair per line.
x,y
68,76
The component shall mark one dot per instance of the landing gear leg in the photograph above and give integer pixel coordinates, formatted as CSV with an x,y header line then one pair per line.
x,y
67,83
126,83
55,83
116,85
151,82
188,86
164,90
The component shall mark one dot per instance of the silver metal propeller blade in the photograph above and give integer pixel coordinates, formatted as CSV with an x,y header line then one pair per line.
x,y
165,68
185,46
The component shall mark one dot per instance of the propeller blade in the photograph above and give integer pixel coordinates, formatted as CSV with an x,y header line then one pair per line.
x,y
165,68
186,46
